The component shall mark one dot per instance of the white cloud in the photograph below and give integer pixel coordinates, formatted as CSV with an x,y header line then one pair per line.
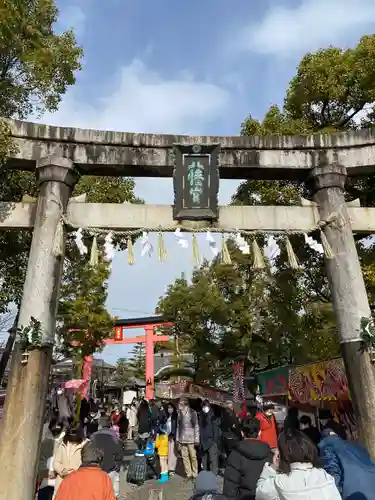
x,y
143,101
72,17
285,31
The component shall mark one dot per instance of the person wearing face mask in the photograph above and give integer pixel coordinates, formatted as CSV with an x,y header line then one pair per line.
x,y
188,437
131,415
48,447
209,431
67,458
171,428
268,427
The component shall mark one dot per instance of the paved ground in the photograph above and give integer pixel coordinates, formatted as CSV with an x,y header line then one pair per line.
x,y
177,488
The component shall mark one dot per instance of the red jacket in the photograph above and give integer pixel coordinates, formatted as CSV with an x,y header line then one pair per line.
x,y
115,419
87,483
268,429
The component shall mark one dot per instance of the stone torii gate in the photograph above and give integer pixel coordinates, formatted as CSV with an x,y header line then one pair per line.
x,y
59,156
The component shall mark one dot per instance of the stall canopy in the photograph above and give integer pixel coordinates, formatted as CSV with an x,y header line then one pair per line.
x,y
324,381
194,391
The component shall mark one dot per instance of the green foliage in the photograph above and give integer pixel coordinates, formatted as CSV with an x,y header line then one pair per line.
x,y
107,189
82,306
137,361
123,372
36,68
283,317
333,90
368,334
7,146
231,312
31,335
332,86
37,65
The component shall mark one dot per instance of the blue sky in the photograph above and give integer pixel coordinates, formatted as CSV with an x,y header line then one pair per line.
x,y
197,67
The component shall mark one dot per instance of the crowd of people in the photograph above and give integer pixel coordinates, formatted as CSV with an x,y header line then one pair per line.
x,y
258,459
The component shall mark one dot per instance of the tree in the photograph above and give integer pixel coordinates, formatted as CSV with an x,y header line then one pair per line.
x,y
137,362
82,315
333,90
123,373
37,66
232,312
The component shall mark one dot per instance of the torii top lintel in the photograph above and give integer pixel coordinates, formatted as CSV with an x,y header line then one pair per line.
x,y
147,323
99,152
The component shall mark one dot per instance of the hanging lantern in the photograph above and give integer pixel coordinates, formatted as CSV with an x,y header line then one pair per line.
x,y
118,333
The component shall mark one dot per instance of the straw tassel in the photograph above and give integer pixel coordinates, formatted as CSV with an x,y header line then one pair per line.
x,y
328,252
94,255
196,256
292,259
258,262
224,254
131,259
162,250
58,240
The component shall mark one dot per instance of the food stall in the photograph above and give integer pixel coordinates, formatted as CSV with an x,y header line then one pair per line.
x,y
323,385
311,387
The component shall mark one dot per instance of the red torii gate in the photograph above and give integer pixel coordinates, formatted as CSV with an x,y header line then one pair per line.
x,y
150,338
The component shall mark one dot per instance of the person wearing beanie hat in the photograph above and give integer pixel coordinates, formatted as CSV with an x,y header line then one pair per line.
x,y
207,487
206,481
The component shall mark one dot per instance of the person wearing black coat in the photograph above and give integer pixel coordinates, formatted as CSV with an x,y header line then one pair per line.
x,y
309,430
209,432
245,463
144,422
291,422
171,426
230,431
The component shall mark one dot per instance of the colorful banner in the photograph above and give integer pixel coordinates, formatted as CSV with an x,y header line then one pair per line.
x,y
319,382
273,382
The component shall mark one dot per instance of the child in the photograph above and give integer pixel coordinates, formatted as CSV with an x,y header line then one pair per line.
x,y
161,444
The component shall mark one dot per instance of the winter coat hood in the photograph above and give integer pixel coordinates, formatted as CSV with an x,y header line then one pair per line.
x,y
253,449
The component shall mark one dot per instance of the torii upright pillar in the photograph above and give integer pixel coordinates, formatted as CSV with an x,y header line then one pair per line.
x,y
149,339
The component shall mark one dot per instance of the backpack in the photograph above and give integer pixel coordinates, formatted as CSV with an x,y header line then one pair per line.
x,y
137,470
